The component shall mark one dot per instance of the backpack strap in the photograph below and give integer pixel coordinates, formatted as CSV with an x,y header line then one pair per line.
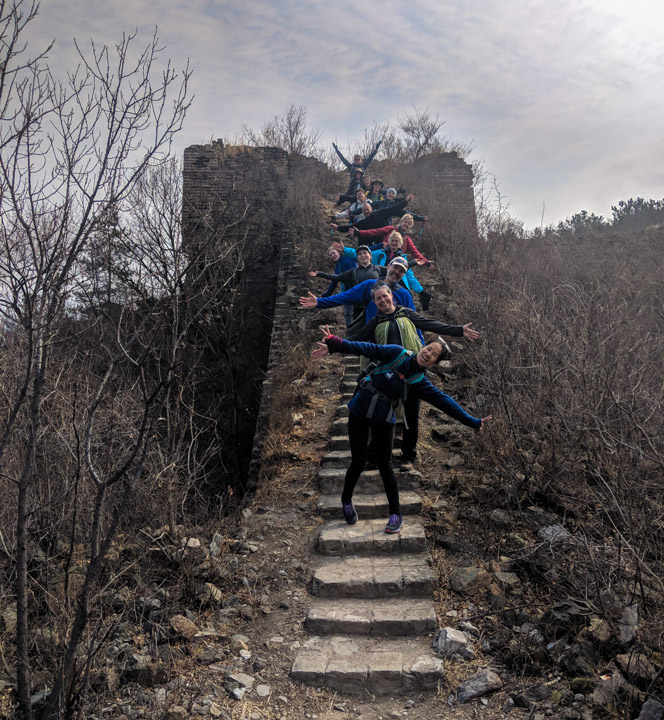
x,y
399,360
367,384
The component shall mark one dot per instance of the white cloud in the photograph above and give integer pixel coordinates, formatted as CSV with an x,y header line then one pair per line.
x,y
561,98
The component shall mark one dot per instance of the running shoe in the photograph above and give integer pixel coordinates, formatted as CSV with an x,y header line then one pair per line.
x,y
394,524
350,516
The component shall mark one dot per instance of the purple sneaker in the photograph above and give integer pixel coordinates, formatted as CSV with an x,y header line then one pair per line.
x,y
350,516
394,524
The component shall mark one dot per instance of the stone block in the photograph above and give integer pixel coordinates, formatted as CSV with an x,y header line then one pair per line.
x,y
347,674
309,667
385,673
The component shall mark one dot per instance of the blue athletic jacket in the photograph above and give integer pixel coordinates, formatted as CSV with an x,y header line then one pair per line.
x,y
391,384
361,295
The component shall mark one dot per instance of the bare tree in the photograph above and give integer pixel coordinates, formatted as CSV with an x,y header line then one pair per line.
x,y
288,131
69,151
421,130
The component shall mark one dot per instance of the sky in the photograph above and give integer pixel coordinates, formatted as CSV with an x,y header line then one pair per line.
x,y
562,100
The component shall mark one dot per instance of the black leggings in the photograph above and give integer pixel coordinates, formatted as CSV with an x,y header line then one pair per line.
x,y
411,411
345,198
358,435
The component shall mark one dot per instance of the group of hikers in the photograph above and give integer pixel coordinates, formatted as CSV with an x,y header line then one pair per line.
x,y
382,327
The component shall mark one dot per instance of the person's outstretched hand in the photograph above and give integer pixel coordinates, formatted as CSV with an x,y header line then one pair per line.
x,y
484,420
322,350
338,246
469,333
310,301
312,273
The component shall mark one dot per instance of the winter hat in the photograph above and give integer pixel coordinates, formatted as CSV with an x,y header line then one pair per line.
x,y
363,247
389,190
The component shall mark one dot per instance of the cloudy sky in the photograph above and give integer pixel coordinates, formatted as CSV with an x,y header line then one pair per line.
x,y
562,99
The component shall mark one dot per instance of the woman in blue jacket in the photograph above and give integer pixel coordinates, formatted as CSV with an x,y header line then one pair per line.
x,y
372,407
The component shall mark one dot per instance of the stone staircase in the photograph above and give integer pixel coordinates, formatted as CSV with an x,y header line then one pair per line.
x,y
372,608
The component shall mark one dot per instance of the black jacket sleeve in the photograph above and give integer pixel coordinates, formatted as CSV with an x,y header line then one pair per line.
x,y
366,332
422,322
388,212
344,277
367,162
403,211
341,157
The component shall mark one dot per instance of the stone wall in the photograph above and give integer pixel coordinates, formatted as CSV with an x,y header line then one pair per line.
x,y
243,194
443,185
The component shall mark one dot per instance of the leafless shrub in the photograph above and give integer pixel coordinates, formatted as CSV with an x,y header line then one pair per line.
x,y
570,365
572,371
287,130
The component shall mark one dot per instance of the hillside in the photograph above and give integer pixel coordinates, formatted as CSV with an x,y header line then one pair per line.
x,y
545,533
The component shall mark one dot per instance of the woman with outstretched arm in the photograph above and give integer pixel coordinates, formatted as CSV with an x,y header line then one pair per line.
x,y
372,408
396,325
358,163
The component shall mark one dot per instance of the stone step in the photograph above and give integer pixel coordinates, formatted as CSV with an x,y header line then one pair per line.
x,y
370,506
347,386
360,665
336,459
368,537
339,442
341,459
340,427
342,411
375,577
408,616
331,480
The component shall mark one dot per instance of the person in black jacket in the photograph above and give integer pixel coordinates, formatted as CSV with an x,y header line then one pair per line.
x,y
390,201
357,163
363,271
375,218
356,170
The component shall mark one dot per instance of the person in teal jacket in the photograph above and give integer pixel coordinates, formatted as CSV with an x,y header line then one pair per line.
x,y
372,407
395,325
